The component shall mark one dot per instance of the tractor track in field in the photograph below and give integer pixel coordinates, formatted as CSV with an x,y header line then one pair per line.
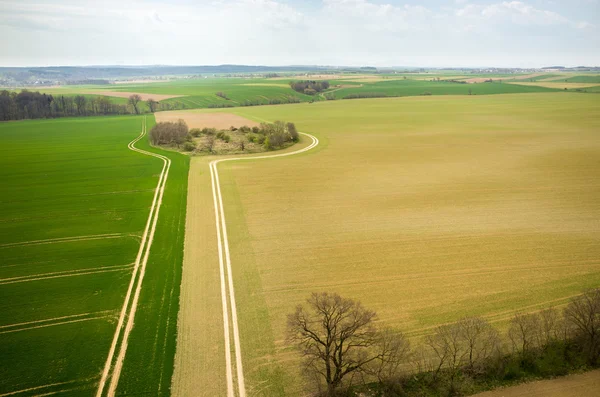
x,y
114,365
225,273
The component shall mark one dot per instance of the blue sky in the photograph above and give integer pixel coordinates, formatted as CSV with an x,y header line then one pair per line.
x,y
525,33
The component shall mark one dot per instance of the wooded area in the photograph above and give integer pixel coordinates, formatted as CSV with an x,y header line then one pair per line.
x,y
34,105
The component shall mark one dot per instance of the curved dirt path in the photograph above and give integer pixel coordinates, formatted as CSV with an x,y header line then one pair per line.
x,y
131,298
226,273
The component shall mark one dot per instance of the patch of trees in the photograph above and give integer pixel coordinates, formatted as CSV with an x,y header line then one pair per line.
x,y
169,133
309,87
221,94
268,135
345,353
366,95
34,105
219,105
271,101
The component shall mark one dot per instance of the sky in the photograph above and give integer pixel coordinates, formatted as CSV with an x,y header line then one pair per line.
x,y
426,33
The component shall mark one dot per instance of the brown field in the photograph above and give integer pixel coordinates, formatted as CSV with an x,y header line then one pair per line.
x,y
123,94
553,84
579,385
487,209
197,119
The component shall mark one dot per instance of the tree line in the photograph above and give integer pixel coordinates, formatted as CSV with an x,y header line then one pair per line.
x,y
309,87
345,353
35,105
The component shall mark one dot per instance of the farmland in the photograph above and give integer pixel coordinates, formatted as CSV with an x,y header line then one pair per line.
x,y
250,91
488,208
75,201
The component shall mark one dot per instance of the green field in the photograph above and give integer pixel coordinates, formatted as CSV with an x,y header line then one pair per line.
x,y
489,208
75,201
201,92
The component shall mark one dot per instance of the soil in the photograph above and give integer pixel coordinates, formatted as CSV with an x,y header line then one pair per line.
x,y
220,121
578,385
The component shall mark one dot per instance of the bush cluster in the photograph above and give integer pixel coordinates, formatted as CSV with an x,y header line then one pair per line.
x,y
309,87
170,133
366,95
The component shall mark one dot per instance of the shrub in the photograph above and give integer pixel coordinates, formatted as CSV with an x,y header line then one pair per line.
x,y
209,131
169,133
255,130
251,137
196,132
189,146
260,139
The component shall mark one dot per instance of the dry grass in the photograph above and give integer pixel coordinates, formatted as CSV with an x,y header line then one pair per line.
x,y
426,209
202,119
200,354
579,385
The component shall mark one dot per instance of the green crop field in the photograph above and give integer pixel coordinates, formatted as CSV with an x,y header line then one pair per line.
x,y
201,92
75,202
489,208
584,79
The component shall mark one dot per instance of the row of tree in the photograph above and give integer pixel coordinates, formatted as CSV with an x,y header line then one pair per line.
x,y
345,353
309,87
33,105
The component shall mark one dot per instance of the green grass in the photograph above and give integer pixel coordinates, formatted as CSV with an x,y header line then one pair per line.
x,y
584,79
425,209
201,92
419,87
76,177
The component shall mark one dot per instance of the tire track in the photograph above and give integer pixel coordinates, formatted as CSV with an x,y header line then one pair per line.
x,y
67,273
226,273
132,297
65,240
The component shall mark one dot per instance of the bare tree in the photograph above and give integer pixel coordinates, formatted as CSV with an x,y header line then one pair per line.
x,y
134,100
481,341
449,348
152,105
335,336
209,143
551,326
393,350
80,102
584,314
525,332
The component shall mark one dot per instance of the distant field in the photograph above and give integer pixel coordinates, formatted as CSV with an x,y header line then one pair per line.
x,y
202,92
489,208
75,201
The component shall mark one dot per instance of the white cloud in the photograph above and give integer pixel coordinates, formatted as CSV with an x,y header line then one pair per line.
x,y
357,32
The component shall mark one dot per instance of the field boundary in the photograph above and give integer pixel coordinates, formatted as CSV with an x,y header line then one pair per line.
x,y
128,310
227,288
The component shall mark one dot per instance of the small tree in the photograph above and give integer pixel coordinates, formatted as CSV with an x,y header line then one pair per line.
x,y
335,336
584,314
525,332
291,128
134,100
80,102
209,143
152,105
